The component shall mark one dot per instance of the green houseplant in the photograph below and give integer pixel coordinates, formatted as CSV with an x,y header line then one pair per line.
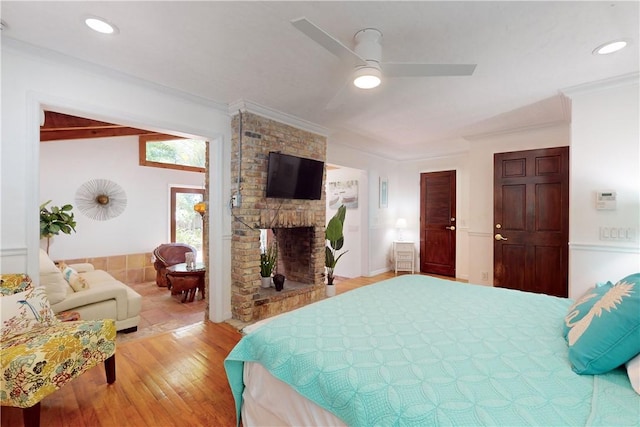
x,y
268,259
55,220
335,241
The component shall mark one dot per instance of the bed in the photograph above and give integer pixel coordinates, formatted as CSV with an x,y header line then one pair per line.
x,y
421,351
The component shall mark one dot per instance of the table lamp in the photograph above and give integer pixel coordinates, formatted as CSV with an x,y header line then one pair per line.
x,y
401,224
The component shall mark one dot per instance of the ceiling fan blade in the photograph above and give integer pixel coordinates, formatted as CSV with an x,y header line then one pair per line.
x,y
325,40
393,69
341,96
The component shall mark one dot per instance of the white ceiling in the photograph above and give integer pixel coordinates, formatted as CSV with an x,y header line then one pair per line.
x,y
228,51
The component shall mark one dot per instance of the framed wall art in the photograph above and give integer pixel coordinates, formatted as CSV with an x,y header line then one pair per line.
x,y
343,193
384,192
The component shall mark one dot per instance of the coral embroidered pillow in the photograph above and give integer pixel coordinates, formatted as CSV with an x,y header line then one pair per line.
x,y
25,310
582,306
608,335
77,282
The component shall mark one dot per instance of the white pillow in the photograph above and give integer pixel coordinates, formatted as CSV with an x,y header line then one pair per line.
x,y
73,278
52,280
46,265
25,310
633,370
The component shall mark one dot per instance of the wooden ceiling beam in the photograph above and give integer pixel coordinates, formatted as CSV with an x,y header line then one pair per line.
x,y
58,126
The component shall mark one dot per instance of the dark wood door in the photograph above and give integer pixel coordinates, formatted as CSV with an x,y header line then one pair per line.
x,y
531,220
437,223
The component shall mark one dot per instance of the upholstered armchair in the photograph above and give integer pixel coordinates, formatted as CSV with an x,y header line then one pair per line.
x,y
166,255
39,353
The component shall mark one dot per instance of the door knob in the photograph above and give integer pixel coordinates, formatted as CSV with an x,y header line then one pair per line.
x,y
499,237
452,228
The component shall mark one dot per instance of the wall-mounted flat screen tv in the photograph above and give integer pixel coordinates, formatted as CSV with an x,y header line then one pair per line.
x,y
291,177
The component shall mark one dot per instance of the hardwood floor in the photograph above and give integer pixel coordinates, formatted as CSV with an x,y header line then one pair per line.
x,y
173,379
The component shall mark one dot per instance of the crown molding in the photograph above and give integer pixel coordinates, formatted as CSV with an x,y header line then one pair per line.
x,y
610,83
60,58
503,132
269,113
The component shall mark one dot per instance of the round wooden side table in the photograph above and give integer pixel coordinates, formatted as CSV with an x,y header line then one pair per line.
x,y
186,281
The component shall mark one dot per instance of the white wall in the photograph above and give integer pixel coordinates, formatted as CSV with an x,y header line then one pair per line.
x,y
66,165
351,264
377,223
604,133
33,79
605,155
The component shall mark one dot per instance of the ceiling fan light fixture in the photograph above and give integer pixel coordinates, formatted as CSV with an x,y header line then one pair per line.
x,y
367,77
610,47
100,25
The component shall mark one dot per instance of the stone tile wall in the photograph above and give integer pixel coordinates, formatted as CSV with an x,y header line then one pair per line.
x,y
129,268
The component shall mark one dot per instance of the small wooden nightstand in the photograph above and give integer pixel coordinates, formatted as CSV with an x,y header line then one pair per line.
x,y
403,256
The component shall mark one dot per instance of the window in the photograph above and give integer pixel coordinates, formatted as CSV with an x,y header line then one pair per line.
x,y
179,153
186,224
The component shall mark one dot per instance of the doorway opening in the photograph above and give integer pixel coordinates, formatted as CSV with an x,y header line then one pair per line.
x,y
186,223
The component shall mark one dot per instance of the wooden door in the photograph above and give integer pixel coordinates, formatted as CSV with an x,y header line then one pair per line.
x,y
437,223
531,220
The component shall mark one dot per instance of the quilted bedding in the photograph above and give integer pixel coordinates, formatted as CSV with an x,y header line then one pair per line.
x,y
421,351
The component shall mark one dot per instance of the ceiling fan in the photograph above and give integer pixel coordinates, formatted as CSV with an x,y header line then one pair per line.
x,y
366,57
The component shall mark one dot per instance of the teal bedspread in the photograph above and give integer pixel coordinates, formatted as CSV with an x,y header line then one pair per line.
x,y
420,351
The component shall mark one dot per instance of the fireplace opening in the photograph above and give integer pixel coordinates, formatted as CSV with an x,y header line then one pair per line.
x,y
295,246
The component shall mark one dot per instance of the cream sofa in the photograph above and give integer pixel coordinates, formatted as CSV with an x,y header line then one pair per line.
x,y
106,298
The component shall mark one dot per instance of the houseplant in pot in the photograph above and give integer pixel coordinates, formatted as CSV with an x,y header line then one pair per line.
x,y
55,220
268,259
335,241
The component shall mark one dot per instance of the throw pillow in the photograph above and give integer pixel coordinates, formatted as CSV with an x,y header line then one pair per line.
x,y
609,333
583,304
52,280
633,370
47,266
23,311
13,283
77,282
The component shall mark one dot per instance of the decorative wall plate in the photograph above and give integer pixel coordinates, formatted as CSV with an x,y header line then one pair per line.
x,y
101,199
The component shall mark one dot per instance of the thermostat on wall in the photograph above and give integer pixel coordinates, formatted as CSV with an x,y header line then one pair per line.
x,y
606,200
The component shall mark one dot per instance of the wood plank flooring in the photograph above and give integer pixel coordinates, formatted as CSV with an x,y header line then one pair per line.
x,y
173,379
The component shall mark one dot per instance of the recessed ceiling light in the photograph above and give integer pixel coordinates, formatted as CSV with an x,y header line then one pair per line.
x,y
610,47
100,25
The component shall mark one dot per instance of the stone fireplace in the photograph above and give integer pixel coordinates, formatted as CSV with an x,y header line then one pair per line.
x,y
297,226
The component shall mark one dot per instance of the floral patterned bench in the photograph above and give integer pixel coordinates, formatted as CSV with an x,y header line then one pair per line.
x,y
39,353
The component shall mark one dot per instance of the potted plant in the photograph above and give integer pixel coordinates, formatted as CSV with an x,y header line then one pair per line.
x,y
335,240
268,259
55,220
